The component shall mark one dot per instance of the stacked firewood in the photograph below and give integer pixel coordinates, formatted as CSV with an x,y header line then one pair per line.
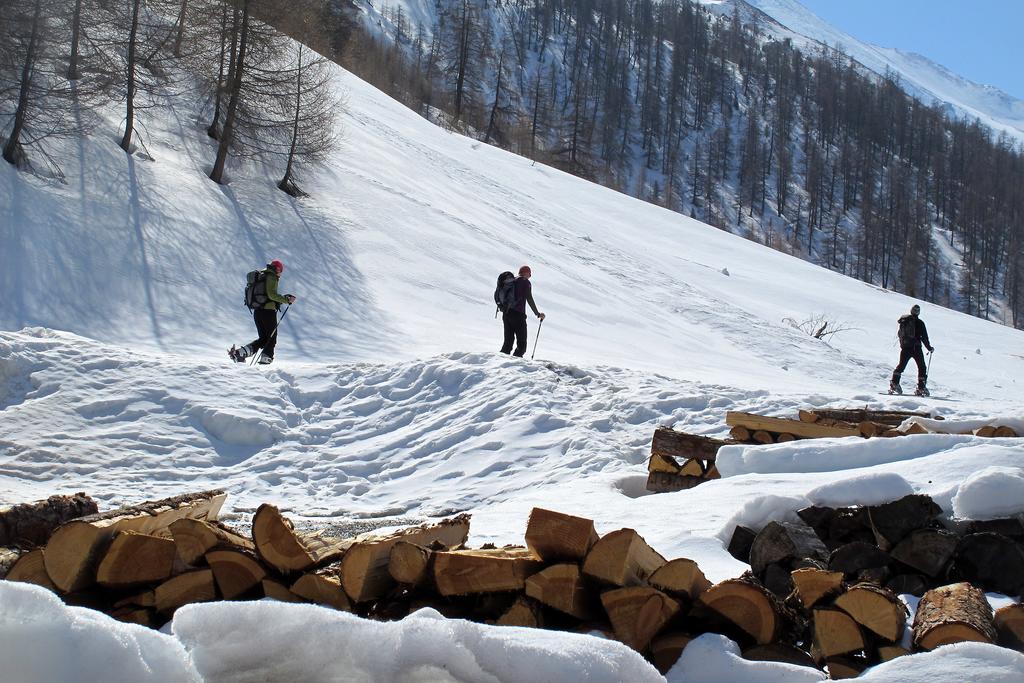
x,y
681,461
141,563
847,565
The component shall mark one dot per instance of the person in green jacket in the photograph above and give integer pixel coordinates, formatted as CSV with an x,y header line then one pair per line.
x,y
265,317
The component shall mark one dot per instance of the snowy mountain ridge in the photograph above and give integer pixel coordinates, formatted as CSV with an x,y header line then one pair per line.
x,y
919,75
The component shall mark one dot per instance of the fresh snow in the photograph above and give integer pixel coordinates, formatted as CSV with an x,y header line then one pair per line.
x,y
388,405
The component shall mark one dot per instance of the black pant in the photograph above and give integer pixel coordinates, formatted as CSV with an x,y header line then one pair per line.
x,y
515,330
906,353
266,327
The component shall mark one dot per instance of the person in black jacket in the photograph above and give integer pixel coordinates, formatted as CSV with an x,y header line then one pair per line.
x,y
514,318
913,334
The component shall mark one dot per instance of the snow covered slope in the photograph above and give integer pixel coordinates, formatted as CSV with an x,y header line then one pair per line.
x,y
919,75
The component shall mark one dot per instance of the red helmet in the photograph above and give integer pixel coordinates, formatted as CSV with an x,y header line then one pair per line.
x,y
277,265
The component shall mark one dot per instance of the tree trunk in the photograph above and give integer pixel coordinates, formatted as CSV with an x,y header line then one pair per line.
x,y
286,182
30,524
129,121
76,29
13,153
217,174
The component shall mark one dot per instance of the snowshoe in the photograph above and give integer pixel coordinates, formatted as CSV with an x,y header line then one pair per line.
x,y
895,388
235,354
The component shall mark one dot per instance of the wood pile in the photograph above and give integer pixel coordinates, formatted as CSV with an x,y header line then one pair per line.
x,y
681,461
899,545
810,600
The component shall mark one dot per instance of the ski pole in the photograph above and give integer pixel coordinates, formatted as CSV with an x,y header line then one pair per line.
x,y
929,370
539,325
259,353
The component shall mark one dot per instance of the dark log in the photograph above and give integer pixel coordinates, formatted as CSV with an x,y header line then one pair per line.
x,y
777,579
929,551
739,544
888,653
955,613
909,584
892,522
841,668
663,482
1011,527
849,525
669,442
992,562
852,558
817,517
666,649
1009,622
782,542
1004,432
30,524
779,652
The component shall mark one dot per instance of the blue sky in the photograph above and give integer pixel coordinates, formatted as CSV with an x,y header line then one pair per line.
x,y
978,39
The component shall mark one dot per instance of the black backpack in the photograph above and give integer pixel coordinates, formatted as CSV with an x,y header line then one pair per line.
x,y
256,289
505,291
908,330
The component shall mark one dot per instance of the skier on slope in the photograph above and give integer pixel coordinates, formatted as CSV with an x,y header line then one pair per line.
x,y
514,318
265,302
912,334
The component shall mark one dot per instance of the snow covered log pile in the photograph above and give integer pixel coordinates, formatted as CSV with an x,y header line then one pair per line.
x,y
803,602
682,461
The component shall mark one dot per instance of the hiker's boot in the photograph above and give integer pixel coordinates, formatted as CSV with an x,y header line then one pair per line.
x,y
894,384
266,360
922,389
